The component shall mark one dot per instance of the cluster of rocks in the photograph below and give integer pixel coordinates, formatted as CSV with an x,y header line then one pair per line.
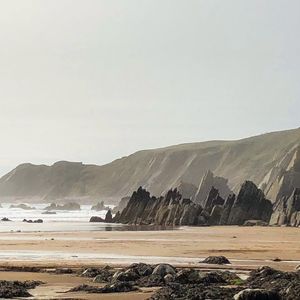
x,y
5,219
16,289
143,209
184,283
33,221
108,218
249,207
99,206
22,206
66,206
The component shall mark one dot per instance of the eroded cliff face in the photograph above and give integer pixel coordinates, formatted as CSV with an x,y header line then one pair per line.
x,y
287,210
284,177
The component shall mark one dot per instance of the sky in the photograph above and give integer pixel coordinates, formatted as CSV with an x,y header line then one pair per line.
x,y
94,80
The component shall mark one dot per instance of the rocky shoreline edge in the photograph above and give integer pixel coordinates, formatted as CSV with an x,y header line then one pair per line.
x,y
170,282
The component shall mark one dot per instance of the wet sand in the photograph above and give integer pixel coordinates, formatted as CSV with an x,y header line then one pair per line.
x,y
240,244
246,247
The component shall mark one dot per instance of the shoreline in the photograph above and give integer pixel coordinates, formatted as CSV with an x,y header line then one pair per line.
x,y
42,255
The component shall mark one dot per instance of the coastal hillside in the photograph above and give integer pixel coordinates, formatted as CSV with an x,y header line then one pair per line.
x,y
263,159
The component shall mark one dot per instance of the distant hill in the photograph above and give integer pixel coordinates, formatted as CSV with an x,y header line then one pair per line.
x,y
263,159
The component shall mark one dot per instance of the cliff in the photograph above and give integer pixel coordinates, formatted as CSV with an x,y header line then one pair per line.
x,y
266,160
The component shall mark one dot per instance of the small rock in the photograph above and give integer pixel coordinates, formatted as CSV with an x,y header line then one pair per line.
x,y
276,259
216,260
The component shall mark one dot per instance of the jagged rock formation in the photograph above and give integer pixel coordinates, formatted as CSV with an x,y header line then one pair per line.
x,y
262,159
187,190
121,205
209,180
287,190
285,177
250,204
142,209
287,210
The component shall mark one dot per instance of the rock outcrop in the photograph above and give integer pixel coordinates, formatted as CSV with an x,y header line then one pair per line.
x,y
287,210
99,206
209,180
121,205
172,209
250,204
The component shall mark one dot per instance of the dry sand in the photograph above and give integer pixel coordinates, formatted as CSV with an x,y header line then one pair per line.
x,y
246,247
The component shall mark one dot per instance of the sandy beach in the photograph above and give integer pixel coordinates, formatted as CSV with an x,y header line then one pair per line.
x,y
246,247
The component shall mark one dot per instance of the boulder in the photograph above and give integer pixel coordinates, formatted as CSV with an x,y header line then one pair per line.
x,y
163,269
168,278
96,219
216,260
128,275
257,294
186,276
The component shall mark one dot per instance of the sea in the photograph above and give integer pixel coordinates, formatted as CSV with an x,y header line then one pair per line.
x,y
63,220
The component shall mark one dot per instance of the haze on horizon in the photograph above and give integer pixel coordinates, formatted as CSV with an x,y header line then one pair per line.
x,y
96,80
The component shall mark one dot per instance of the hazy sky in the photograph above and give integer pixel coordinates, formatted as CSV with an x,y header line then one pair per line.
x,y
95,80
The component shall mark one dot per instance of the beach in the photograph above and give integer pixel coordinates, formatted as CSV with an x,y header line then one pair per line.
x,y
247,248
